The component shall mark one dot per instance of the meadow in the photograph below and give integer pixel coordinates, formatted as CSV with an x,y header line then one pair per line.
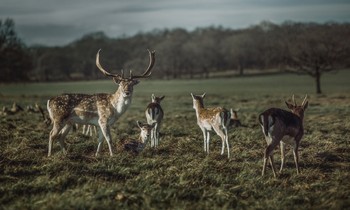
x,y
178,174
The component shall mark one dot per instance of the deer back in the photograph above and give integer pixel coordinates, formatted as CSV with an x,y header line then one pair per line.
x,y
80,107
281,120
154,112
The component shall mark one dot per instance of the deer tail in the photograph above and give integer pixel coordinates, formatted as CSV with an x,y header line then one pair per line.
x,y
265,123
225,116
48,120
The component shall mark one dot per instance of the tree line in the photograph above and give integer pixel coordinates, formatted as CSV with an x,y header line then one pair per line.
x,y
304,48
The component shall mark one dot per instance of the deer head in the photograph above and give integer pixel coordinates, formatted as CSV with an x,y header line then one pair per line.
x,y
145,130
156,99
126,84
298,109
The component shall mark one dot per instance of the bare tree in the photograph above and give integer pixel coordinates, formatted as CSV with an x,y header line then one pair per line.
x,y
315,49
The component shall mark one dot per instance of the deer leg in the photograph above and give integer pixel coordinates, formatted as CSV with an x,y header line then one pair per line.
x,y
204,139
157,129
272,165
84,128
296,156
106,133
100,141
152,137
95,130
90,129
226,140
54,134
156,135
65,130
282,145
220,133
208,140
269,154
109,141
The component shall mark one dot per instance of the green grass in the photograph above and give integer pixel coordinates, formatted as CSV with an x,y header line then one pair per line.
x,y
179,175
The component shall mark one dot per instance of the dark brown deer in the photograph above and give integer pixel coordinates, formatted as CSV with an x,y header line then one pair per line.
x,y
155,113
283,127
101,109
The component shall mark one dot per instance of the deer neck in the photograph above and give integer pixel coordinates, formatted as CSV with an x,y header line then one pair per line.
x,y
121,102
143,140
198,105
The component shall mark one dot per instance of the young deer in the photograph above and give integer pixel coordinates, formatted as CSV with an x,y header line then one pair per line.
x,y
234,121
217,118
154,113
101,109
283,127
145,133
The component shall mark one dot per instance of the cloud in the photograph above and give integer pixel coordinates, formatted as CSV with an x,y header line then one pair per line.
x,y
50,34
60,22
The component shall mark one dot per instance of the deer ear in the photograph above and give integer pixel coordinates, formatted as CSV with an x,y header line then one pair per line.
x,y
116,80
290,106
192,95
153,97
203,95
139,124
161,98
136,82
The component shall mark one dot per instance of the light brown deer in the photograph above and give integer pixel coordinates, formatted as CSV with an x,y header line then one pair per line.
x,y
101,109
208,119
283,127
155,113
137,146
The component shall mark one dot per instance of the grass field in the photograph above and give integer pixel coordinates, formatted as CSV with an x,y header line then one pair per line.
x,y
179,175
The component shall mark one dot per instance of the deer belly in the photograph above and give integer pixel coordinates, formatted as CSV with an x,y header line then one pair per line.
x,y
84,117
206,125
288,140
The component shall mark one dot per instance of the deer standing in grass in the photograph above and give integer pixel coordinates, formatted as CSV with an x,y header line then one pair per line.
x,y
155,113
217,119
283,127
137,146
101,109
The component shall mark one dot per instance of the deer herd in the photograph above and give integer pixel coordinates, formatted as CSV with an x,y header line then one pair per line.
x,y
96,113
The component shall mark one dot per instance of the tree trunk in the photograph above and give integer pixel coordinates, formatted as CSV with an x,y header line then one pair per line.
x,y
318,81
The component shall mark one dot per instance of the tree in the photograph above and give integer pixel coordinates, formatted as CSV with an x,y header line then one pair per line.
x,y
241,51
15,59
315,49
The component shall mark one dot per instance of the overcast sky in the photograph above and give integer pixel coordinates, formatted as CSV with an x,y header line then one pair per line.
x,y
60,22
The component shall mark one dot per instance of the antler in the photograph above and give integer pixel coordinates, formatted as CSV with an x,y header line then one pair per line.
x,y
304,100
148,71
117,76
295,103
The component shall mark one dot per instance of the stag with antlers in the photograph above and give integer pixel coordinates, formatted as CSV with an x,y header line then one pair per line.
x,y
101,109
283,127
